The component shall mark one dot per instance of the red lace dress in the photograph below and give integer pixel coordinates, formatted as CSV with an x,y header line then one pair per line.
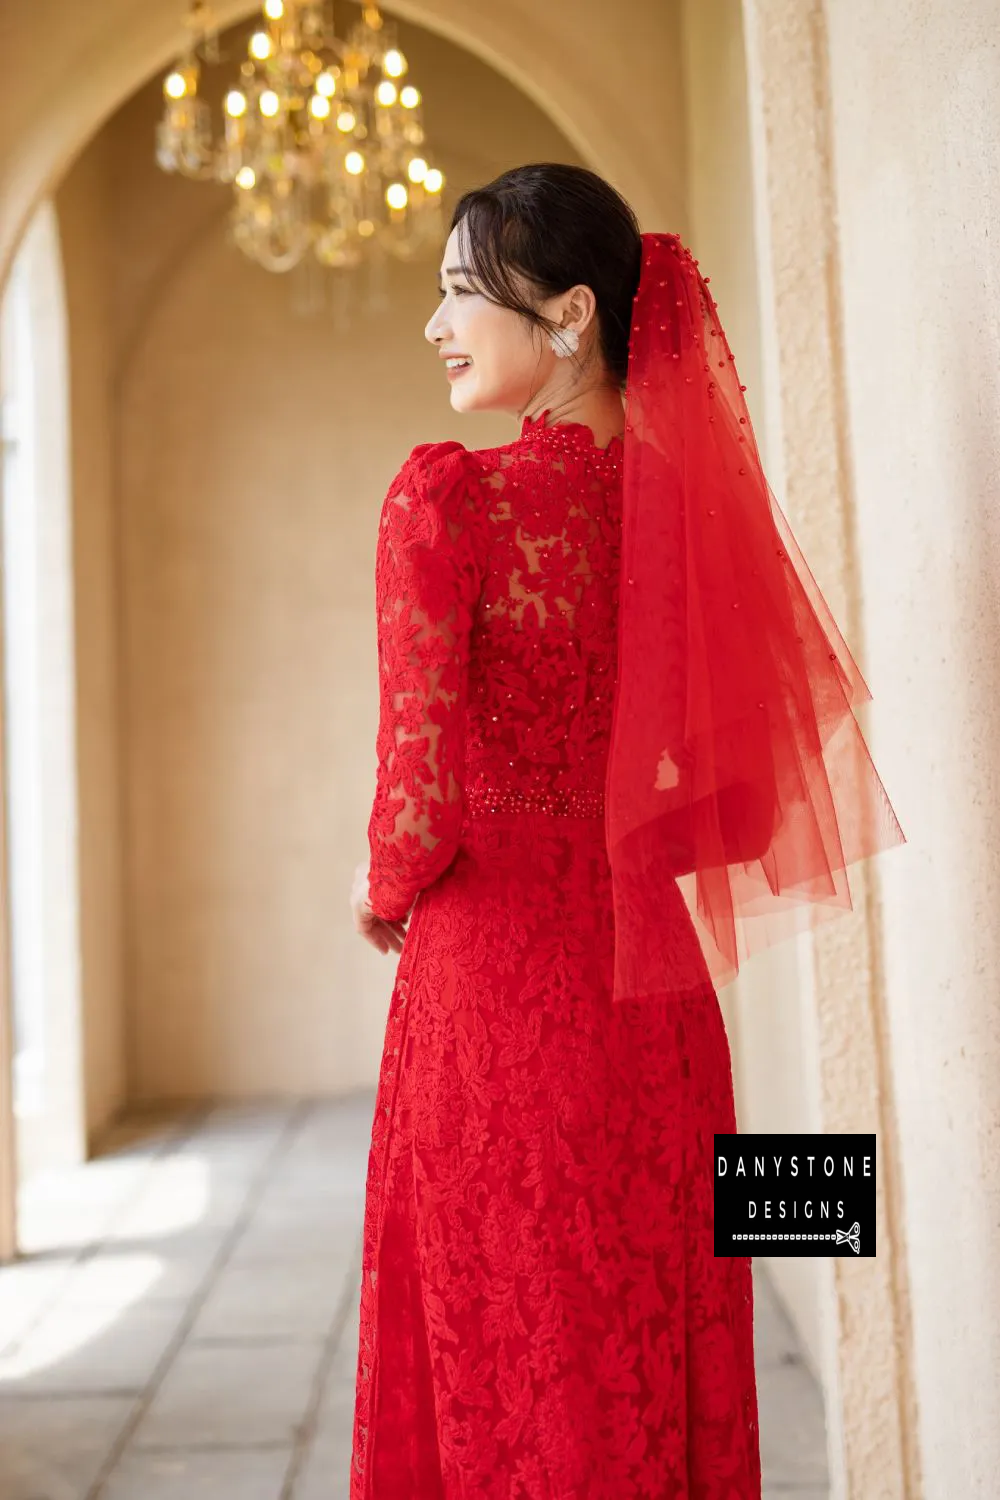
x,y
542,1316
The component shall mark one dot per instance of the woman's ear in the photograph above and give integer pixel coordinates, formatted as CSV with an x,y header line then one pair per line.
x,y
581,308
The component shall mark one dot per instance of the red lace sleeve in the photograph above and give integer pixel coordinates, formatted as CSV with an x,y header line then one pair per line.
x,y
427,582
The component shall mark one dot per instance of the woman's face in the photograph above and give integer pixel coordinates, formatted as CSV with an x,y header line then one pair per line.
x,y
507,367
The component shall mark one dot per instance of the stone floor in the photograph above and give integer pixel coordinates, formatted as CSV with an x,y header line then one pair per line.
x,y
184,1323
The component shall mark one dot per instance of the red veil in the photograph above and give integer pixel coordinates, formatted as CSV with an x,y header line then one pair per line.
x,y
737,773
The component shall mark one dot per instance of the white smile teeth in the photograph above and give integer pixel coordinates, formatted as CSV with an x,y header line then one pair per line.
x,y
457,364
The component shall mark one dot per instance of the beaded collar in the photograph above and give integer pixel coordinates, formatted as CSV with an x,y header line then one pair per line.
x,y
569,437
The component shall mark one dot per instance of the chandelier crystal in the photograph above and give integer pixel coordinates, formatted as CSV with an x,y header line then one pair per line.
x,y
322,141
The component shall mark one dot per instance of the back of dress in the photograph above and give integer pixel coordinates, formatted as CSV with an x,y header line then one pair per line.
x,y
541,1311
543,650
497,599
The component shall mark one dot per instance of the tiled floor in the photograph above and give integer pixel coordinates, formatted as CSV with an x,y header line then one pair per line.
x,y
184,1325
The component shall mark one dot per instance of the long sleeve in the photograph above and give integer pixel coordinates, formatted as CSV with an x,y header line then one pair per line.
x,y
427,582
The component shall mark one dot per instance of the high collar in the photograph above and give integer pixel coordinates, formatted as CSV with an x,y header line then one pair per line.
x,y
561,434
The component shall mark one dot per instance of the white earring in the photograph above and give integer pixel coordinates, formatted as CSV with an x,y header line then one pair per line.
x,y
568,342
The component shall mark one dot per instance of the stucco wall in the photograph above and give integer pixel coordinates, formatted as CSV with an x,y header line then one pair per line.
x,y
767,1008
916,144
84,231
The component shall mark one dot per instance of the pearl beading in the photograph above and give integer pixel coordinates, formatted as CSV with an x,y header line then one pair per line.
x,y
572,803
572,439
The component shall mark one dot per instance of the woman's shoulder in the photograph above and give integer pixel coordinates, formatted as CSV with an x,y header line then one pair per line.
x,y
445,464
456,455
440,486
429,470
426,454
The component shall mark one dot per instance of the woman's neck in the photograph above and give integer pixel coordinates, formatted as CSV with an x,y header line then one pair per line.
x,y
601,409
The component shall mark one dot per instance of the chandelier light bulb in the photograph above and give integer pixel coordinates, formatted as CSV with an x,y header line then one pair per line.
x,y
294,189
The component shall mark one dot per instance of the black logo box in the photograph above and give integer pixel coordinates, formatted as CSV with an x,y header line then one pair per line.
x,y
794,1195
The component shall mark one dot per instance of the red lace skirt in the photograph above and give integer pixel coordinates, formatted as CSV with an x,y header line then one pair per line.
x,y
542,1315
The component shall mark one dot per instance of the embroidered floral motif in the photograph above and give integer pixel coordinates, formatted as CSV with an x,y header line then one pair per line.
x,y
542,1315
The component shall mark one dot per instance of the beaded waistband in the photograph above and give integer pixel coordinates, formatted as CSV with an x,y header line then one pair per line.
x,y
570,803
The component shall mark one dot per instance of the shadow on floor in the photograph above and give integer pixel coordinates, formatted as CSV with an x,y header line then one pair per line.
x,y
184,1323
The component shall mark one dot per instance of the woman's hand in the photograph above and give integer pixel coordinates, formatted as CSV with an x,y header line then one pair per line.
x,y
382,935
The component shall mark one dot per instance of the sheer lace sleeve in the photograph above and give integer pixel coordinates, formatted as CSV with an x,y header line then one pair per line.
x,y
427,582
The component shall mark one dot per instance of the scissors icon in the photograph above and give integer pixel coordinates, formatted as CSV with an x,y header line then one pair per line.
x,y
850,1237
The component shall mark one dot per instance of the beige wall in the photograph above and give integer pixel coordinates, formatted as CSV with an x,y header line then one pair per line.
x,y
765,1011
916,144
863,1327
41,784
768,1011
85,233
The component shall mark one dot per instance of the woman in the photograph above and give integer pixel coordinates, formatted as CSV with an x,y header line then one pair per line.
x,y
616,752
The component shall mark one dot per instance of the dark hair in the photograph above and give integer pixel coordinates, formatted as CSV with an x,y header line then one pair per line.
x,y
557,226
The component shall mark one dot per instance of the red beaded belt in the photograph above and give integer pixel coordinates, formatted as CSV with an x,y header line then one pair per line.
x,y
572,803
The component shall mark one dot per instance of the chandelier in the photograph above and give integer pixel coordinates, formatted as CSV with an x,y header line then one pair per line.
x,y
320,140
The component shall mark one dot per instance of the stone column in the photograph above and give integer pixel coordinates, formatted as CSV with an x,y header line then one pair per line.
x,y
871,1421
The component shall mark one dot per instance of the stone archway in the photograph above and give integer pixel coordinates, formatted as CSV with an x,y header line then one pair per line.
x,y
617,120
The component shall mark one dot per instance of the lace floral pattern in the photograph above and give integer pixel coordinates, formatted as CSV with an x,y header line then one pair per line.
x,y
542,1315
427,579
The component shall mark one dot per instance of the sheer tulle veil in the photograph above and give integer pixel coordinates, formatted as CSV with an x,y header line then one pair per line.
x,y
737,767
